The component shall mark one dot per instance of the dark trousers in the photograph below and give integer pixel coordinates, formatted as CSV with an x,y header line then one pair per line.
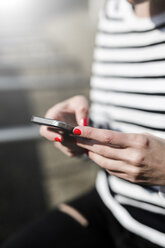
x,y
59,230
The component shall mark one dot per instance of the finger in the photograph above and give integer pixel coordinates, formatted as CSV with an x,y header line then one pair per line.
x,y
69,151
117,174
106,150
107,136
54,112
50,135
108,164
81,111
65,150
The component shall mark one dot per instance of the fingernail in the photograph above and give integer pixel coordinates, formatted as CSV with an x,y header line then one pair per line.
x,y
84,122
57,139
76,131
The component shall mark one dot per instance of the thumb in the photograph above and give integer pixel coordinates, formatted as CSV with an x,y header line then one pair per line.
x,y
81,112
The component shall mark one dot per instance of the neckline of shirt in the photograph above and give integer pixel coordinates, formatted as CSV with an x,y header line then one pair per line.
x,y
131,17
123,10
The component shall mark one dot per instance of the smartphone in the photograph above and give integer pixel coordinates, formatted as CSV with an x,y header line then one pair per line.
x,y
53,124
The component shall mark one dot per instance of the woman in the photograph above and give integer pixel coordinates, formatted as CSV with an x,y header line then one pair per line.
x,y
127,138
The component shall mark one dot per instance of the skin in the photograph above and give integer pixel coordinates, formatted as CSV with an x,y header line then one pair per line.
x,y
73,111
147,8
138,158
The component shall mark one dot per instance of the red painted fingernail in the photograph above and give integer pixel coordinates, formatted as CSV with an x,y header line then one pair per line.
x,y
76,131
57,139
84,122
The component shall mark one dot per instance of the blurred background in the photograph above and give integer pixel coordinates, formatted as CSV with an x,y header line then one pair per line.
x,y
46,49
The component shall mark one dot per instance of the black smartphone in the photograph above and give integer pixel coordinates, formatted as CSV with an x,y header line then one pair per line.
x,y
53,124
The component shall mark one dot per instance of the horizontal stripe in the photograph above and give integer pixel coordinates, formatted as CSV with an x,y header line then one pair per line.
x,y
138,204
101,30
141,118
143,85
154,103
127,76
128,107
128,128
147,53
115,46
140,125
132,70
122,215
135,191
123,127
127,62
130,40
130,92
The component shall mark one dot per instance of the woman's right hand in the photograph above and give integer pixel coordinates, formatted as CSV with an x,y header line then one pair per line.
x,y
73,111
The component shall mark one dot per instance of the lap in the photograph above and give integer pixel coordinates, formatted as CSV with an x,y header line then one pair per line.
x,y
58,229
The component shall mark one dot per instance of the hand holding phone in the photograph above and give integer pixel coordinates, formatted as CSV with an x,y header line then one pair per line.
x,y
73,111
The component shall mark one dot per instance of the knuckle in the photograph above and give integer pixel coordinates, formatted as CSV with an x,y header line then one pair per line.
x,y
135,175
138,158
138,175
142,140
49,113
79,97
83,109
132,180
88,132
108,138
54,112
70,155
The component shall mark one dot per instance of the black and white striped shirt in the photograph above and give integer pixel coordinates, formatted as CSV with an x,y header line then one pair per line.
x,y
128,94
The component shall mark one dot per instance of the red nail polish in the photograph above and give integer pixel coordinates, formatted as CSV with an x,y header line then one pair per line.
x,y
76,131
84,122
57,139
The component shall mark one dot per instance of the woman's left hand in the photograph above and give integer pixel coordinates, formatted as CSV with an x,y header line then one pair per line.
x,y
138,158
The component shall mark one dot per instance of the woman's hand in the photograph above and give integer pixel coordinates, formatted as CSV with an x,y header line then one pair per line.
x,y
139,158
73,111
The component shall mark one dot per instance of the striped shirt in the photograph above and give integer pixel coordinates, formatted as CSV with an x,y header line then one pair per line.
x,y
128,94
